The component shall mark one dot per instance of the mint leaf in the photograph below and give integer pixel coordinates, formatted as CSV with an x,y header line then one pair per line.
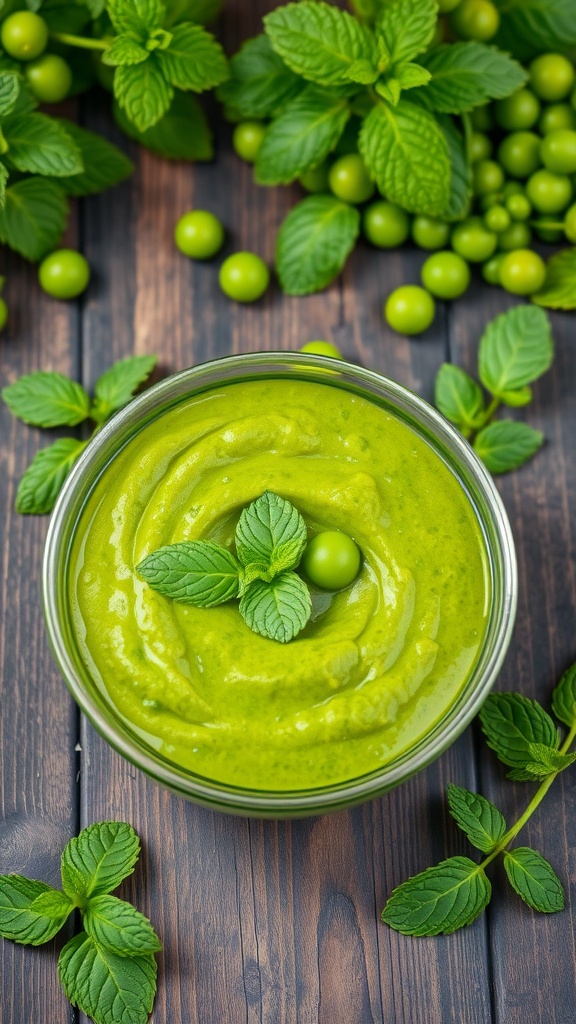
x,y
119,927
534,879
406,27
546,760
505,445
439,900
98,859
478,818
193,60
531,27
107,987
564,697
301,136
104,164
277,610
116,387
411,76
193,572
517,398
458,397
515,349
9,89
42,481
136,16
318,41
559,289
467,75
34,217
3,183
407,154
143,92
260,84
363,72
460,172
182,134
30,912
41,145
271,531
390,90
314,242
124,49
47,399
511,723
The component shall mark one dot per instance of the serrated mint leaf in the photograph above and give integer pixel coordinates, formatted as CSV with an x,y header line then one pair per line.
x,y
182,134
34,217
407,154
9,89
42,481
515,349
105,986
318,41
277,610
363,72
271,531
458,397
116,387
548,758
517,398
314,243
511,723
531,27
505,445
193,572
460,171
40,145
439,900
119,927
564,697
47,399
137,16
406,27
467,75
104,164
559,288
143,91
389,89
3,183
411,76
534,879
100,858
125,49
24,917
301,136
194,59
260,84
478,818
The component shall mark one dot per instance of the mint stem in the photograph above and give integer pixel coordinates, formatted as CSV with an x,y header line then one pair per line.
x,y
84,42
534,803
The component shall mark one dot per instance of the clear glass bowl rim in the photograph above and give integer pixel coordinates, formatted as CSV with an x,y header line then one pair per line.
x,y
449,444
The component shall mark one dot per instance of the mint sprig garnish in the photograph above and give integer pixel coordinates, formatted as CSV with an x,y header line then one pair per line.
x,y
451,895
515,350
270,539
109,970
49,399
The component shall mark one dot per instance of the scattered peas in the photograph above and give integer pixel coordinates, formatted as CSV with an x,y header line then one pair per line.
x,y
446,275
247,138
522,272
64,274
244,277
316,179
472,240
349,179
24,35
409,309
429,233
386,224
322,348
331,560
199,234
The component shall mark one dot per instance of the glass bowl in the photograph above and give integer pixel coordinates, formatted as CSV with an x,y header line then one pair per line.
x,y
431,427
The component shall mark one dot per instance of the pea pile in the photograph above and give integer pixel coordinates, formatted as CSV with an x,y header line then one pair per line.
x,y
24,36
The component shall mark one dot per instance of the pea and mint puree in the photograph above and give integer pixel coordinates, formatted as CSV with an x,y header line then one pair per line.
x,y
379,662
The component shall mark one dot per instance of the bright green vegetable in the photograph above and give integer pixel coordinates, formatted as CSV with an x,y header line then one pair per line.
x,y
552,77
522,272
331,560
476,19
557,116
409,309
473,241
49,78
519,111
519,207
517,236
244,277
386,224
519,153
558,151
315,179
487,177
446,275
549,192
322,348
348,179
24,35
247,139
429,233
491,269
64,274
479,147
199,234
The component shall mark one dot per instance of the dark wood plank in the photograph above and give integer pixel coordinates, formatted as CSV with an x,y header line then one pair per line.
x,y
532,984
38,719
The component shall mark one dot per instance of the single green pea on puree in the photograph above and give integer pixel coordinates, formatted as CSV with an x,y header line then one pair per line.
x,y
378,664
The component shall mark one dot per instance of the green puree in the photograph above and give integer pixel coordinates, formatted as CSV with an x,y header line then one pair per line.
x,y
377,665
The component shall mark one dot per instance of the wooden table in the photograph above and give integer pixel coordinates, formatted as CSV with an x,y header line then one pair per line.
x,y
275,922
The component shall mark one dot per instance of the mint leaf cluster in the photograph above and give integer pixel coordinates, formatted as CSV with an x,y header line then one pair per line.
x,y
318,71
270,539
109,969
49,399
452,894
515,350
42,161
